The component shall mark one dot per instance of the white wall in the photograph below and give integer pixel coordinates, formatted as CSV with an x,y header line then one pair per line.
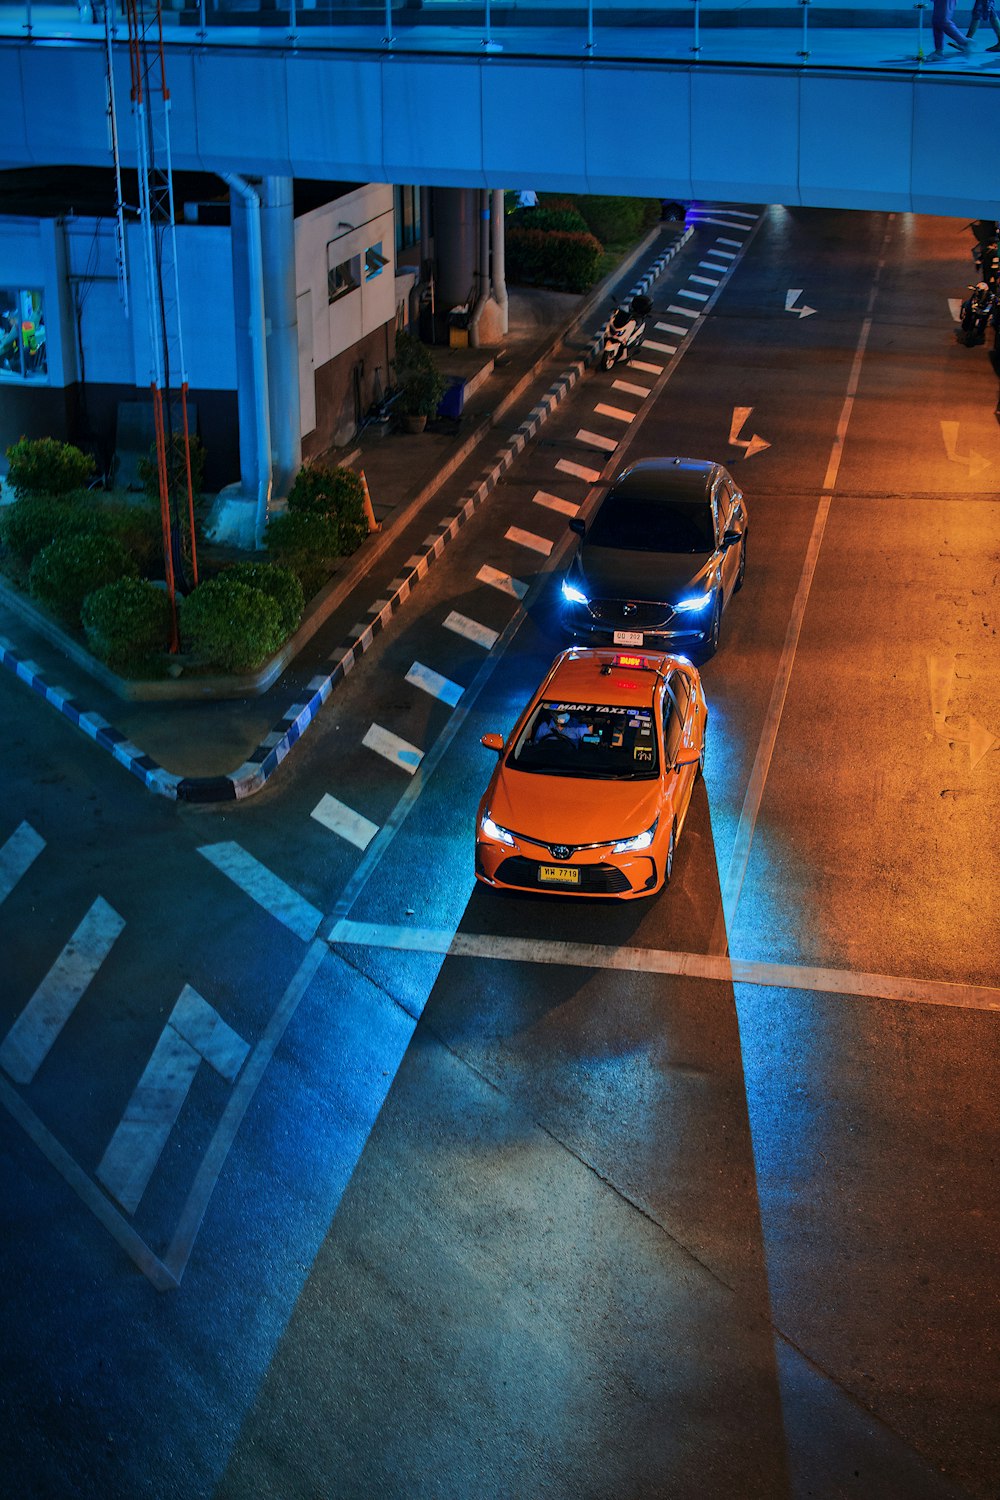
x,y
326,237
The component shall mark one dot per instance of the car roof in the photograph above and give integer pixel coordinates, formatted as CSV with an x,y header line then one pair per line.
x,y
576,676
668,479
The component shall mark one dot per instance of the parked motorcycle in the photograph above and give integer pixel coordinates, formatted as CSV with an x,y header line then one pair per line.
x,y
626,328
977,312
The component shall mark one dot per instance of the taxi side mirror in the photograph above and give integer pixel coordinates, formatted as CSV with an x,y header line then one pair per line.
x,y
492,742
578,525
692,760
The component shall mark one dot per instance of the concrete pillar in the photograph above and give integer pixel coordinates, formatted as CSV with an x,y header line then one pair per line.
x,y
456,243
246,408
277,234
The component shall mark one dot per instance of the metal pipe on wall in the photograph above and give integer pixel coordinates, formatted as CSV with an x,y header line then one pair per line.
x,y
258,344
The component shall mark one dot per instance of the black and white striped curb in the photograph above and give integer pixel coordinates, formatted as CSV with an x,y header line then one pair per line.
x,y
271,751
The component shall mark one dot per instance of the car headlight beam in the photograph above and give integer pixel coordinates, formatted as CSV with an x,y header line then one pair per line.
x,y
572,594
632,845
494,831
695,605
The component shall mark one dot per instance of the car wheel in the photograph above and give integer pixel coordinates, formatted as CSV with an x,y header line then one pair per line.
x,y
742,570
715,629
668,867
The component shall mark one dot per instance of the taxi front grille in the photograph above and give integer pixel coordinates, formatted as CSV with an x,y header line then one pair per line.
x,y
595,880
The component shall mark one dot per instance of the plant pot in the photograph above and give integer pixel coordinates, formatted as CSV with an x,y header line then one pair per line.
x,y
414,423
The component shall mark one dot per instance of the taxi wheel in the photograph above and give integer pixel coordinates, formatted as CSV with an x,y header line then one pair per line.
x,y
669,863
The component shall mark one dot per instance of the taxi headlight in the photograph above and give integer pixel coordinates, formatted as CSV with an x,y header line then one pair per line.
x,y
494,831
640,841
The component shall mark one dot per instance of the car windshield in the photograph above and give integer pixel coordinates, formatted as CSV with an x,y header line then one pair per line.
x,y
579,739
640,524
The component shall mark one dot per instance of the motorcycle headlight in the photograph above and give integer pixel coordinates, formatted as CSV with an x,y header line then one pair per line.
x,y
693,606
494,831
640,841
572,594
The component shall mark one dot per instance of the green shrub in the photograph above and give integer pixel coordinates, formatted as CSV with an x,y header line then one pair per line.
x,y
325,492
230,625
307,544
564,261
44,466
615,221
418,377
567,220
33,522
126,623
67,570
279,584
137,527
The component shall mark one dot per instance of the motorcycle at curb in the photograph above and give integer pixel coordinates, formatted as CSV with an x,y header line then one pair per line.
x,y
977,311
625,329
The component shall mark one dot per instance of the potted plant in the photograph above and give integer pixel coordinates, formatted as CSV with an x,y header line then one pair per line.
x,y
420,382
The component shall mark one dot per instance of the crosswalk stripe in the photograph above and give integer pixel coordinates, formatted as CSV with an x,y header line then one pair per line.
x,y
553,502
528,539
672,328
737,243
595,440
27,1043
697,296
194,1032
618,413
263,886
399,752
709,265
17,855
705,280
629,389
647,369
344,821
660,348
685,312
480,635
503,581
724,254
566,466
433,683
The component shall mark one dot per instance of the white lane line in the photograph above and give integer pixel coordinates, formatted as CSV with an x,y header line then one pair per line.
x,y
618,413
263,886
725,223
704,280
528,539
566,466
595,440
710,265
16,856
433,683
657,961
739,213
398,752
27,1043
723,254
673,328
647,369
738,244
629,389
480,635
696,296
555,502
194,1032
685,312
344,821
503,581
660,348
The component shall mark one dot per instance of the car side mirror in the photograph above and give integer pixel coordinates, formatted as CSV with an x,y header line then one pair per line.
x,y
692,760
492,742
578,525
730,538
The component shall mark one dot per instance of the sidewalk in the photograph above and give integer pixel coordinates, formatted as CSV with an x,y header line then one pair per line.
x,y
226,748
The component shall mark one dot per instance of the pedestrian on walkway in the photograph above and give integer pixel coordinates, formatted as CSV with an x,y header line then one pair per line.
x,y
985,10
943,25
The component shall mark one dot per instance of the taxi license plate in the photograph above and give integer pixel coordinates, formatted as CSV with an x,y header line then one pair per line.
x,y
558,875
628,637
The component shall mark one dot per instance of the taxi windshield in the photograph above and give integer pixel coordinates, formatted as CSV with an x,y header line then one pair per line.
x,y
582,739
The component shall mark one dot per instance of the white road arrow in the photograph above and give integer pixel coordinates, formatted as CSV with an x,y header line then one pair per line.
x,y
975,462
752,445
791,295
980,740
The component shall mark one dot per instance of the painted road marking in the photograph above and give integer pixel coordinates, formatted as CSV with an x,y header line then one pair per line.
x,y
791,297
398,752
638,364
595,440
751,445
21,849
629,389
617,412
724,254
565,466
709,265
27,1043
704,280
657,961
697,296
432,682
344,821
972,460
480,635
528,539
673,328
738,244
263,886
685,312
194,1032
503,581
554,502
660,348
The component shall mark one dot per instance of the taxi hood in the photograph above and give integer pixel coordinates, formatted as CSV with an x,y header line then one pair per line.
x,y
572,809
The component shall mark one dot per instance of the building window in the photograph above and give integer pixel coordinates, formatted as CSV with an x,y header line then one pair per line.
x,y
374,261
343,278
406,205
22,335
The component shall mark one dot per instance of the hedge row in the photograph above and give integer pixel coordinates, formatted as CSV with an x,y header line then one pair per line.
x,y
567,262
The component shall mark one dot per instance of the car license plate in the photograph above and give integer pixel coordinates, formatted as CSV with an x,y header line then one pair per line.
x,y
628,637
558,875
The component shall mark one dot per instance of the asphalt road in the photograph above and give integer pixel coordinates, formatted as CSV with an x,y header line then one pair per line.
x,y
464,1194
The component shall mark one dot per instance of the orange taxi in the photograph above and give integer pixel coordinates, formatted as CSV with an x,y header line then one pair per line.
x,y
592,788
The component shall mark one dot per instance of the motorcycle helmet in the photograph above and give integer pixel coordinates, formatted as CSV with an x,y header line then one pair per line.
x,y
981,286
641,306
619,318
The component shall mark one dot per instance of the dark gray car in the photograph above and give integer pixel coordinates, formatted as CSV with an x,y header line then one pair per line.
x,y
660,558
